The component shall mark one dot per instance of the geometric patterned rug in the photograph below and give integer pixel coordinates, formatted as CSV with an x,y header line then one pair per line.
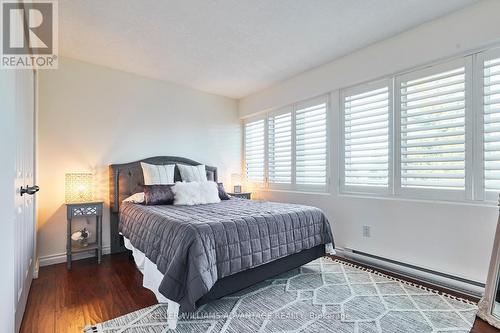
x,y
325,295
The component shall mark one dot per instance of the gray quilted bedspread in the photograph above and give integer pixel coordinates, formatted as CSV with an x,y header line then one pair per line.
x,y
193,246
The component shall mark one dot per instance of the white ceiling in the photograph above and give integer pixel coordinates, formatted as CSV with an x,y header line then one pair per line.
x,y
232,47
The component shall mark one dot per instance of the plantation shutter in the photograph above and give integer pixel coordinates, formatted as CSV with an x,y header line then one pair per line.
x,y
366,137
255,150
432,119
491,118
280,148
311,143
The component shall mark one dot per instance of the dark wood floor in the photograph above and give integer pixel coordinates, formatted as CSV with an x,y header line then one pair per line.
x,y
66,301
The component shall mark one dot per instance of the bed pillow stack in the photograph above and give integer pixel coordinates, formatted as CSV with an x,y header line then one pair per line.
x,y
195,189
158,180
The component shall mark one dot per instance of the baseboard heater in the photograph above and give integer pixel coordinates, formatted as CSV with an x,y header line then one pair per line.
x,y
469,287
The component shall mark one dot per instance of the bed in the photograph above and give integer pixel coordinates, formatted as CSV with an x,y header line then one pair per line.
x,y
190,255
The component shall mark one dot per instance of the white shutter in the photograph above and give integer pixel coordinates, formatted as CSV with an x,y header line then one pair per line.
x,y
491,124
432,128
280,148
255,150
311,143
366,112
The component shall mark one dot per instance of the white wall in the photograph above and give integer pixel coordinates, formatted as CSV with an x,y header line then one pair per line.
x,y
449,237
91,116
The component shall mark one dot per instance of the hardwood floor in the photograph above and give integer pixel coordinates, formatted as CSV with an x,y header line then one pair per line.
x,y
66,301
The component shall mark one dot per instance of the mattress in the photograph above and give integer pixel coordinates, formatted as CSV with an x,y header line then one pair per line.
x,y
194,246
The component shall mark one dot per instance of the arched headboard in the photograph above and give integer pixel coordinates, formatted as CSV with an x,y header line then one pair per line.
x,y
127,178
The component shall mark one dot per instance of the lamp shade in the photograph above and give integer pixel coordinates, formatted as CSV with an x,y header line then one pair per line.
x,y
79,187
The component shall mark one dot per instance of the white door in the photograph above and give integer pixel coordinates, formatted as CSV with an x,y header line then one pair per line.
x,y
17,217
7,176
25,189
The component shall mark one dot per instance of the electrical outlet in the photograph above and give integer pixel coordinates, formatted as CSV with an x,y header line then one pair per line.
x,y
366,231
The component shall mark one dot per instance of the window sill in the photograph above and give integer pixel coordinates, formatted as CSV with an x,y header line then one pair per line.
x,y
322,193
357,195
409,199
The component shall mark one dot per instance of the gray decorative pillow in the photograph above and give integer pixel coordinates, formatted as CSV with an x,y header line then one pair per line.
x,y
222,192
158,195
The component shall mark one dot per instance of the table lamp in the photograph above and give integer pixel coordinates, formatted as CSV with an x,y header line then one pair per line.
x,y
79,187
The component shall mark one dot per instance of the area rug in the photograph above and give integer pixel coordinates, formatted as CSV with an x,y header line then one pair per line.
x,y
323,296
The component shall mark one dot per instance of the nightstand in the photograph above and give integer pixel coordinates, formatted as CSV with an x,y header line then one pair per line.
x,y
84,209
243,195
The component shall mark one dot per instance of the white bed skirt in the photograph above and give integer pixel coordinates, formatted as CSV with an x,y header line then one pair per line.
x,y
152,277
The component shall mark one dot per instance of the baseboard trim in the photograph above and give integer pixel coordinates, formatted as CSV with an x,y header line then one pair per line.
x,y
36,268
58,258
472,288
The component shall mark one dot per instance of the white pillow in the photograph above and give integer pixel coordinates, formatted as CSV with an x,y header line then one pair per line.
x,y
191,173
209,192
158,174
195,193
136,198
186,193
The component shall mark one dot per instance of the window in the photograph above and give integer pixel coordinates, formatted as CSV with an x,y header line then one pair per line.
x,y
254,151
280,147
491,123
416,135
311,143
366,114
431,133
287,148
432,115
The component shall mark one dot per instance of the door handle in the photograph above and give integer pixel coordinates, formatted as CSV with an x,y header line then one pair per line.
x,y
29,190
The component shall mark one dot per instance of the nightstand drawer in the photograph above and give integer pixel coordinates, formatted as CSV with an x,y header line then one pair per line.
x,y
84,210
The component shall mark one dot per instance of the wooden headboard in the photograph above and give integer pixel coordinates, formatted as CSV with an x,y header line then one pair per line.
x,y
127,178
